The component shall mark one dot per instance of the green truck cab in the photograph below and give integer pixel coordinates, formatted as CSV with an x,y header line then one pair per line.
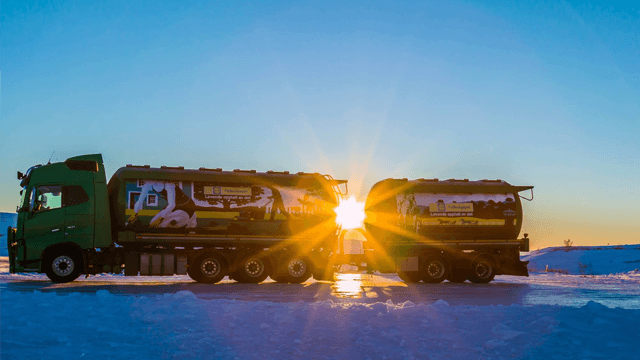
x,y
63,212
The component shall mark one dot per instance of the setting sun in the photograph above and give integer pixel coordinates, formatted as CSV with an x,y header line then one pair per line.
x,y
350,214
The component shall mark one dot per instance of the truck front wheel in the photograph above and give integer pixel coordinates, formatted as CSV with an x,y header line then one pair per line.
x,y
208,268
63,265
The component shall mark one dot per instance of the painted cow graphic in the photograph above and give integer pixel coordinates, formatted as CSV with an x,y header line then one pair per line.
x,y
179,212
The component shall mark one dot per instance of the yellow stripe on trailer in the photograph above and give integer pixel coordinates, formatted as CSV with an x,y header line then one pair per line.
x,y
461,221
199,214
142,212
207,214
217,214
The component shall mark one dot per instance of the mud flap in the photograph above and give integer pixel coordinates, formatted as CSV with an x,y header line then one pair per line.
x,y
518,268
11,236
407,263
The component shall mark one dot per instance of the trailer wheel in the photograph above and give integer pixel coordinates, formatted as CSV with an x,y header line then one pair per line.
x,y
252,269
409,276
208,268
295,270
63,265
483,270
434,270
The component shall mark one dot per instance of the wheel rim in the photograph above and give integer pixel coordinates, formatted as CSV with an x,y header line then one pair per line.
x,y
483,270
297,267
210,267
254,267
435,269
63,265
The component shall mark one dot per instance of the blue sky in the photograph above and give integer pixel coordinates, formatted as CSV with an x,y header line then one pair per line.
x,y
535,93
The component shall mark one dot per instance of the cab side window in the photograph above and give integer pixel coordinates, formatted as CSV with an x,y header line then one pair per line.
x,y
48,197
73,195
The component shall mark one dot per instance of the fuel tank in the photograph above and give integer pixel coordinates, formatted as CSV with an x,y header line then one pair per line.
x,y
430,209
206,202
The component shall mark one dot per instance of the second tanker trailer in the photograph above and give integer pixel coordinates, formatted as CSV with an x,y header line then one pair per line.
x,y
433,230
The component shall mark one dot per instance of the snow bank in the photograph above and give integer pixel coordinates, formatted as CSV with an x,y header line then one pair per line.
x,y
182,326
585,260
6,220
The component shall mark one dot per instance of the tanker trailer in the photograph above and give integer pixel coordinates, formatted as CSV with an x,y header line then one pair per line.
x,y
431,230
206,223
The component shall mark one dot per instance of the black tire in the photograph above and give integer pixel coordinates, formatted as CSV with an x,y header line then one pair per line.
x,y
63,265
208,268
295,270
434,270
409,276
483,270
252,269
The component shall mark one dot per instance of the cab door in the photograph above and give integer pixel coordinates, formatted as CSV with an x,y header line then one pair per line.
x,y
44,224
80,215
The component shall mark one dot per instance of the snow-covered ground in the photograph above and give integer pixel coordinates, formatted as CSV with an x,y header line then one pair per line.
x,y
95,319
179,325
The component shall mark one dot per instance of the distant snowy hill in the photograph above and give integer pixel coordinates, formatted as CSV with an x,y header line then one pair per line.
x,y
585,260
6,220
